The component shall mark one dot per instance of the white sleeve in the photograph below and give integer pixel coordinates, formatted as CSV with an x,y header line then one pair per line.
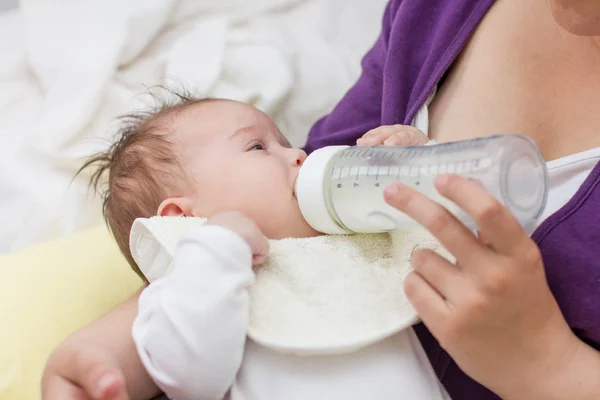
x,y
191,326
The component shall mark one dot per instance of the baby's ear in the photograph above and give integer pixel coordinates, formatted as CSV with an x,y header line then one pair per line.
x,y
175,207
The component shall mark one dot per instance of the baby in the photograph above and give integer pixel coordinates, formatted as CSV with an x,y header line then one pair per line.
x,y
227,161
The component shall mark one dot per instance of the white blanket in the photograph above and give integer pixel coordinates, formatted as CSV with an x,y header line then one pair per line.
x,y
69,67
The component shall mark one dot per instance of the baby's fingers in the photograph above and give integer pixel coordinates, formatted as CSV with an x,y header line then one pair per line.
x,y
376,136
393,135
260,250
408,136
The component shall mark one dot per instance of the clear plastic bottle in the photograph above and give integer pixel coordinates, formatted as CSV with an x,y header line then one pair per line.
x,y
340,188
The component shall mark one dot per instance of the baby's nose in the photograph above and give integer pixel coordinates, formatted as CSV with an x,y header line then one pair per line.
x,y
298,157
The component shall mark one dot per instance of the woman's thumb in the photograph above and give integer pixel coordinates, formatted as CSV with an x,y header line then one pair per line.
x,y
108,386
97,374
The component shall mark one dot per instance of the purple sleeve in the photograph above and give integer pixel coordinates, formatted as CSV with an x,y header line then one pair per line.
x,y
360,108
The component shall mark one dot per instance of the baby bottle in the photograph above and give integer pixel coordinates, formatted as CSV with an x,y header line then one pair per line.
x,y
340,188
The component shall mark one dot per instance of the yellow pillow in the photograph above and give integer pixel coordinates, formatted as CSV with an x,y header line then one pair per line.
x,y
49,291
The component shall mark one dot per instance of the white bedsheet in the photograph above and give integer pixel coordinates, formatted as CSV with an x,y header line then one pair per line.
x,y
68,67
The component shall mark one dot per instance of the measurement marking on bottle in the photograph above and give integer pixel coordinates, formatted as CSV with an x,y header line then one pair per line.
x,y
364,171
433,169
345,172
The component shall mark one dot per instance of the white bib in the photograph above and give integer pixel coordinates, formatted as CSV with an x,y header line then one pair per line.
x,y
321,295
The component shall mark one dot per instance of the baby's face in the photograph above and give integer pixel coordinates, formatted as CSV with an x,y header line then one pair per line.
x,y
236,159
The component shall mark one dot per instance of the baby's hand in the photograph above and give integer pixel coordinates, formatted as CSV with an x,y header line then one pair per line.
x,y
247,229
393,135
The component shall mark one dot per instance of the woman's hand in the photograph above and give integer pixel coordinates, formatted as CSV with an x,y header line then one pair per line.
x,y
99,362
493,310
83,373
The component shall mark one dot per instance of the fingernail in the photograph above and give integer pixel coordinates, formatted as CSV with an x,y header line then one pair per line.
x,y
391,191
104,383
442,180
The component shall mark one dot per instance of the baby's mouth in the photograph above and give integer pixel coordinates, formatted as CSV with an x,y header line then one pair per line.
x,y
294,189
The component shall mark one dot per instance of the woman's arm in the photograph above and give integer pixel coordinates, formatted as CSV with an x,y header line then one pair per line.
x,y
572,374
94,361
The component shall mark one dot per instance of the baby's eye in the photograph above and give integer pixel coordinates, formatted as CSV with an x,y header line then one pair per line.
x,y
257,145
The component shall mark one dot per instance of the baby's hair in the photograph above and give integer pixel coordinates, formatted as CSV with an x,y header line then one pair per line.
x,y
141,165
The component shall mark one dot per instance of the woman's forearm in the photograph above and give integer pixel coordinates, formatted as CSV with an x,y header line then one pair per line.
x,y
112,335
579,378
573,375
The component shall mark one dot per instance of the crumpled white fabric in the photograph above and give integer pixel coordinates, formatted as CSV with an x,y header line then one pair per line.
x,y
69,67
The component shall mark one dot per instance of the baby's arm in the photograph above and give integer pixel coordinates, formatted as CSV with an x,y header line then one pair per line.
x,y
191,328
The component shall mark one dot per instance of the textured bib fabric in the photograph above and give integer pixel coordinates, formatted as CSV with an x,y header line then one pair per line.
x,y
322,295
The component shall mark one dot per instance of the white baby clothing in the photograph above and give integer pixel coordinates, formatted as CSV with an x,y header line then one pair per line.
x,y
191,336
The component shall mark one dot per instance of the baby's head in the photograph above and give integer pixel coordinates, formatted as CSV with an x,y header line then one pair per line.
x,y
199,157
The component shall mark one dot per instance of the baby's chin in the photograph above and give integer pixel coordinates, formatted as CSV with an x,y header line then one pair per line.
x,y
303,228
296,227
307,231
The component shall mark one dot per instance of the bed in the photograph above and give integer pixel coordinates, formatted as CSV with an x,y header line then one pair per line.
x,y
68,68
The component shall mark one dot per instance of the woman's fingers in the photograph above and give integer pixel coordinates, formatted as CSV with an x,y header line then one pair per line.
x,y
497,225
427,301
451,233
440,273
97,374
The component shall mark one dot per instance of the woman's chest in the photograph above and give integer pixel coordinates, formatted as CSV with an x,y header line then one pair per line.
x,y
520,73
